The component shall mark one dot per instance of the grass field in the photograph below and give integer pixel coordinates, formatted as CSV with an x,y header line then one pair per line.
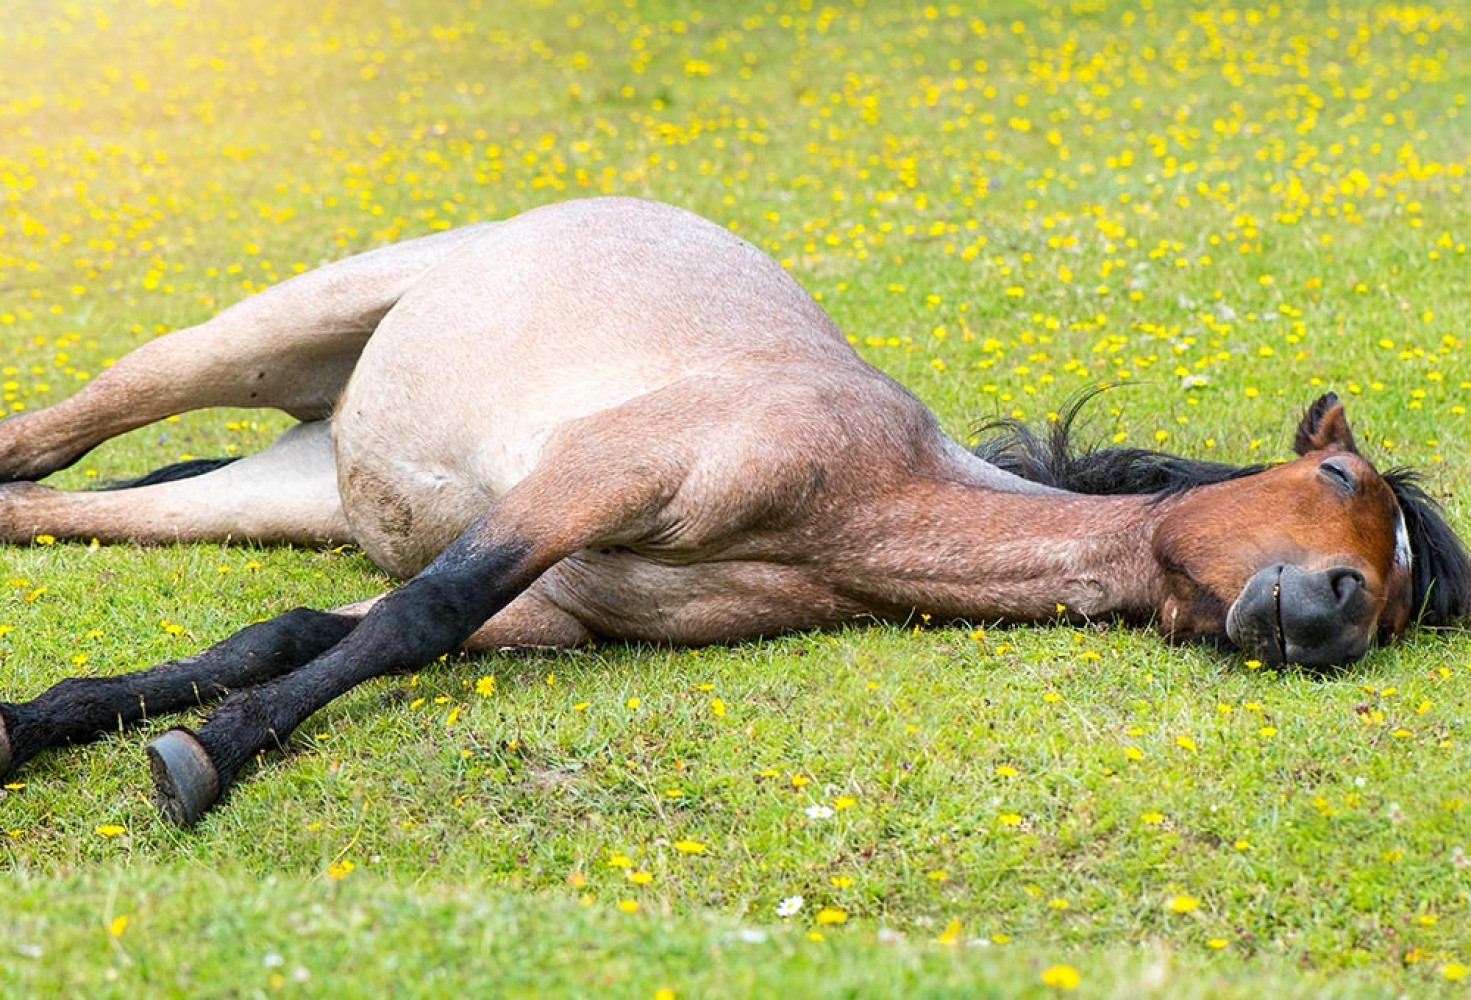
x,y
1231,207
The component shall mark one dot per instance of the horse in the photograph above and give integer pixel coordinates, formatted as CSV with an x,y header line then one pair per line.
x,y
611,418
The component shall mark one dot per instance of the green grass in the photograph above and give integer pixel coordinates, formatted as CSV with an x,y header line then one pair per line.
x,y
1233,208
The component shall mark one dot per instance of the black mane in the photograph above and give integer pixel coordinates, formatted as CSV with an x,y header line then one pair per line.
x,y
1053,459
1440,566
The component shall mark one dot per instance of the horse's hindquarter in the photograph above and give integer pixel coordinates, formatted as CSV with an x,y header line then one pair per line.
x,y
560,314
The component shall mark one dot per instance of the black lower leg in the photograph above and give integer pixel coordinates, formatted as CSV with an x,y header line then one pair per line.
x,y
425,618
81,708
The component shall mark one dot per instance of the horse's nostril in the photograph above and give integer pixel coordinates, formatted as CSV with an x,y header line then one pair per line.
x,y
1345,582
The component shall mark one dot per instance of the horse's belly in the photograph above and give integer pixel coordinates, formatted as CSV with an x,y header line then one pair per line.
x,y
621,594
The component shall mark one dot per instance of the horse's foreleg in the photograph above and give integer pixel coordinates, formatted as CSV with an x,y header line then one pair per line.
x,y
290,347
82,708
534,526
287,493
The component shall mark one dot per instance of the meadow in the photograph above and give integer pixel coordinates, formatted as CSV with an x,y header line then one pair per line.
x,y
1228,207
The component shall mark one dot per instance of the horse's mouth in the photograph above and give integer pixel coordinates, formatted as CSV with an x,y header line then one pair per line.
x,y
1287,614
1254,620
1279,635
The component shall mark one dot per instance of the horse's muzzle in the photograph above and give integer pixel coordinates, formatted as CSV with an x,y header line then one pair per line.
x,y
1286,614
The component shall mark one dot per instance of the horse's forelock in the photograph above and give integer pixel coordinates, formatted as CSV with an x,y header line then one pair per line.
x,y
1440,568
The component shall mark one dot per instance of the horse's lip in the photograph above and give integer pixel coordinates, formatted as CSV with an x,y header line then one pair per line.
x,y
1279,634
1256,627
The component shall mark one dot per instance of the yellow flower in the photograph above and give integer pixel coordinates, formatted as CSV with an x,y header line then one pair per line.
x,y
110,829
340,869
485,686
832,915
1064,977
1184,904
689,847
118,925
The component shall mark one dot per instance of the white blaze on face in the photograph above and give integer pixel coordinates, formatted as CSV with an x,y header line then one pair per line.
x,y
1402,556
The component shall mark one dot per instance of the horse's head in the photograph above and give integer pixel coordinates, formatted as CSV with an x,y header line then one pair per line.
x,y
1309,561
1305,562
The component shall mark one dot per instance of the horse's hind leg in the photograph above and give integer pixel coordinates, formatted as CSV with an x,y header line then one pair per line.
x,y
287,493
81,708
290,347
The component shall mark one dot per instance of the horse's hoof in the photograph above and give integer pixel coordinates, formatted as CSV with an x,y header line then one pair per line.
x,y
185,782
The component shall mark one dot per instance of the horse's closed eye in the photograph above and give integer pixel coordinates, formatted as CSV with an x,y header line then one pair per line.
x,y
1338,475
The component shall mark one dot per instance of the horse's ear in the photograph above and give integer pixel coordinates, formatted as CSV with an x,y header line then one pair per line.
x,y
1324,426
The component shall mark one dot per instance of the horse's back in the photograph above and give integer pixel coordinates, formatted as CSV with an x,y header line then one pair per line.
x,y
547,318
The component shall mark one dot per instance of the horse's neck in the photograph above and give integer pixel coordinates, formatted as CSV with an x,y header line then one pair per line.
x,y
956,550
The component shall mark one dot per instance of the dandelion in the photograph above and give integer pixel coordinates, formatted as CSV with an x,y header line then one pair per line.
x,y
689,847
118,925
1063,977
485,686
832,915
1183,904
110,830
